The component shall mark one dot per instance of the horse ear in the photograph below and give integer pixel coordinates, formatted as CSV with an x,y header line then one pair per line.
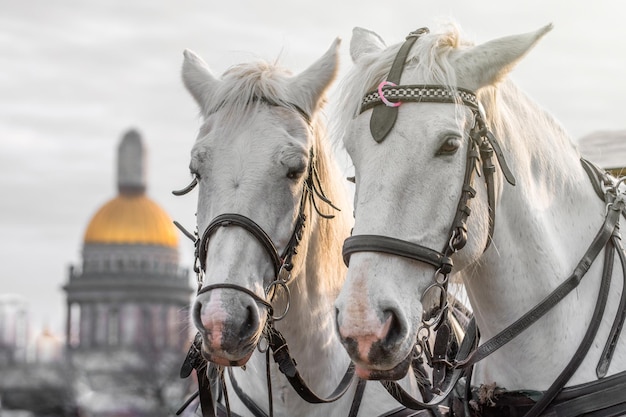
x,y
365,42
308,87
198,78
490,62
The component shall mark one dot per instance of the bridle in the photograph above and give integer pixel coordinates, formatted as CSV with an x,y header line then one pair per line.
x,y
447,371
483,145
210,375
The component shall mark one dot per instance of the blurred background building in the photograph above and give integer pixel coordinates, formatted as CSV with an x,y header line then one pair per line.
x,y
606,149
127,308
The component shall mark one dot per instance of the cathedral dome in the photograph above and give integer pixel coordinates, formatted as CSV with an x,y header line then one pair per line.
x,y
132,219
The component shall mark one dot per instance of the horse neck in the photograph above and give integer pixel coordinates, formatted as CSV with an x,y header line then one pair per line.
x,y
543,227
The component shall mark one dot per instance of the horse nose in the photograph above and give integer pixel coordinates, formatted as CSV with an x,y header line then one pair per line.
x,y
230,321
372,341
392,333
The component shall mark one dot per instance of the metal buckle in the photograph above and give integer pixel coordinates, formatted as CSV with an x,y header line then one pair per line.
x,y
272,288
417,33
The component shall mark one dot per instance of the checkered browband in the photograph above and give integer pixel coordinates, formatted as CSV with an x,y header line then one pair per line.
x,y
420,93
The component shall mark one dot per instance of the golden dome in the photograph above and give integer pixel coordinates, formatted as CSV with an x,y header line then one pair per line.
x,y
132,219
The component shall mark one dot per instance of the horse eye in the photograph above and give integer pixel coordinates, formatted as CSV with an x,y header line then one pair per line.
x,y
351,179
295,173
450,146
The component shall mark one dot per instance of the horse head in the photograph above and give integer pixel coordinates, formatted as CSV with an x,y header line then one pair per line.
x,y
254,162
411,204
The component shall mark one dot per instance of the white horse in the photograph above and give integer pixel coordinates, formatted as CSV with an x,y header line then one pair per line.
x,y
268,252
410,163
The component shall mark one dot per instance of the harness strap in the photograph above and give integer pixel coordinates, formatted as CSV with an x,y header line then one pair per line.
x,y
618,322
513,330
358,397
245,398
206,395
384,117
600,179
597,395
287,366
407,412
451,379
585,344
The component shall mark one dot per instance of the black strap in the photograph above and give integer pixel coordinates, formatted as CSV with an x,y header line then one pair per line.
x,y
598,177
358,397
458,229
393,246
597,395
227,219
245,398
551,300
384,117
407,412
618,322
587,341
287,366
207,403
452,377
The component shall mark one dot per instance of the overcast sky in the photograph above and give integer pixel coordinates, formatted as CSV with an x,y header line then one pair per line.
x,y
75,74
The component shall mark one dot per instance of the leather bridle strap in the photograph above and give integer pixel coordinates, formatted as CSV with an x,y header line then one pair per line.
x,y
228,219
251,293
245,398
393,246
384,117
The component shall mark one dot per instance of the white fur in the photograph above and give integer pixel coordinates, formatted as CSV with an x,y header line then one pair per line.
x,y
544,224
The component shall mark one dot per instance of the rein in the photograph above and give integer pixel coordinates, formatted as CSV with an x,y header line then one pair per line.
x,y
483,145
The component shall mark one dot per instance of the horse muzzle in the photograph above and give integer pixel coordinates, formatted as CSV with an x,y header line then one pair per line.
x,y
230,325
377,348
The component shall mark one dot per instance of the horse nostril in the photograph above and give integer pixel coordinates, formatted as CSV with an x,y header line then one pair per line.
x,y
196,315
392,331
250,324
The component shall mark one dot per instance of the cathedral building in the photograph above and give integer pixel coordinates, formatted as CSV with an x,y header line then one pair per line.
x,y
127,303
